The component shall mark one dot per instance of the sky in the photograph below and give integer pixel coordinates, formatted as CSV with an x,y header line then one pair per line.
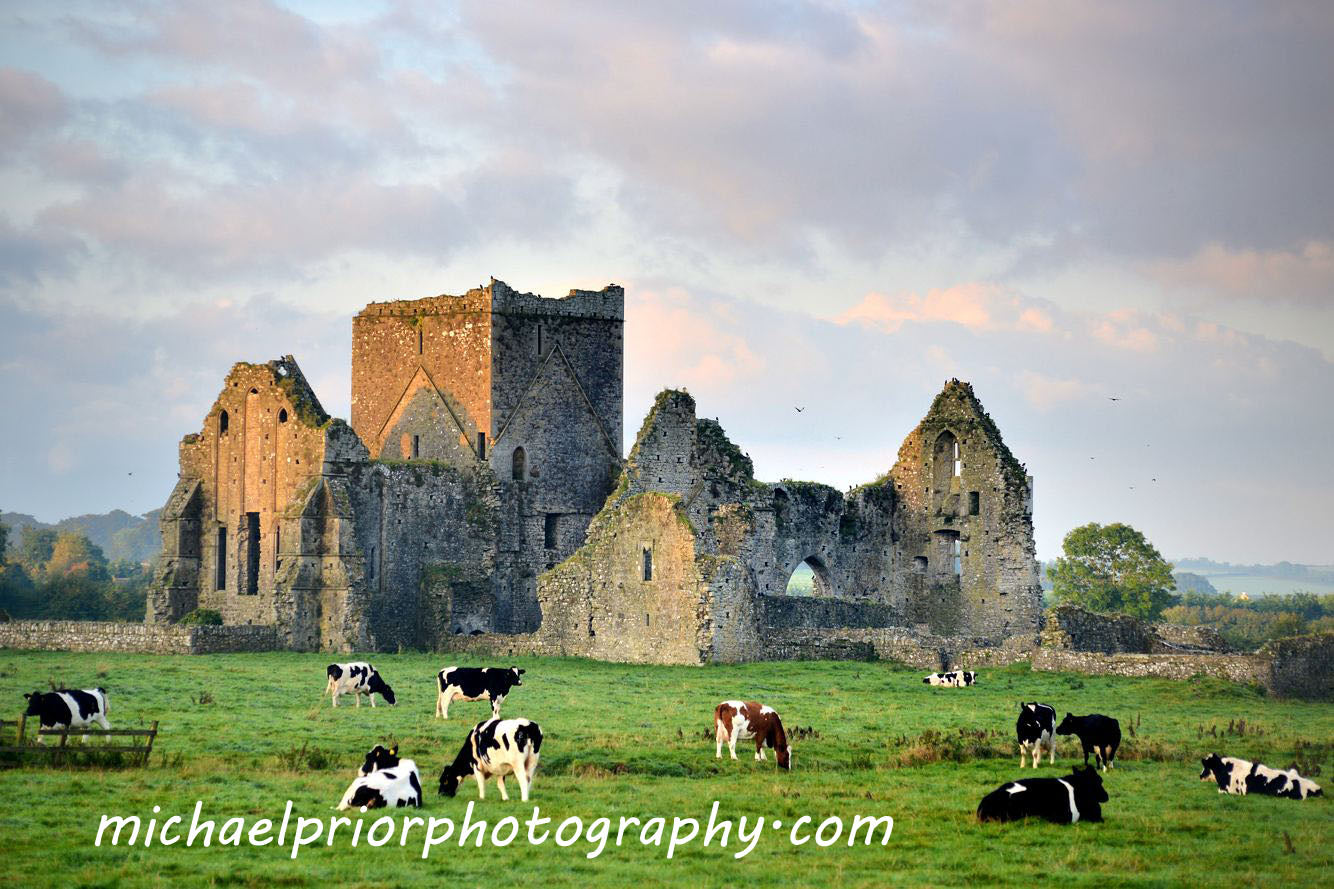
x,y
831,206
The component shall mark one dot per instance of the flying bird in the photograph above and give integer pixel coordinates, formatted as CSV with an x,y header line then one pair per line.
x,y
800,409
1113,398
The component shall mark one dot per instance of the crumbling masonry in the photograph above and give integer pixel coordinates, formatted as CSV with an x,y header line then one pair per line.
x,y
479,491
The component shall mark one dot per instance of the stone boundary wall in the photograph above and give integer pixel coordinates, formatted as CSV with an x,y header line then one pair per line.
x,y
83,635
1250,668
789,612
923,651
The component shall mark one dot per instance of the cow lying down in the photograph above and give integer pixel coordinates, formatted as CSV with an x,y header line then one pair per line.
x,y
384,780
1076,797
496,748
1240,776
952,679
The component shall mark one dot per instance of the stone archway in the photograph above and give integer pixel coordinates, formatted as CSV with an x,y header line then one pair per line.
x,y
810,578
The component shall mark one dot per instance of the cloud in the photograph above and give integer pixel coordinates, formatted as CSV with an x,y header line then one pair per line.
x,y
974,305
1304,274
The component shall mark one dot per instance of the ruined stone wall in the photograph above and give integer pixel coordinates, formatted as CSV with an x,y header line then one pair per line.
x,y
442,345
969,530
1301,667
426,536
632,592
81,635
1073,628
263,441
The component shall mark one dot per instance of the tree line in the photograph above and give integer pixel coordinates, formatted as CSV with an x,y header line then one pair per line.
x,y
49,574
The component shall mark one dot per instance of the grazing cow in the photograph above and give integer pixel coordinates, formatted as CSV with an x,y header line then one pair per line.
x,y
1035,729
1100,735
475,684
68,708
357,678
494,749
1241,776
737,720
1076,797
383,781
952,679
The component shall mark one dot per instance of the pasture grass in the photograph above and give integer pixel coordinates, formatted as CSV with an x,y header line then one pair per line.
x,y
246,733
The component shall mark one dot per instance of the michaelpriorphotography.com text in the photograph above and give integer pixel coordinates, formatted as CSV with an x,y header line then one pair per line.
x,y
591,836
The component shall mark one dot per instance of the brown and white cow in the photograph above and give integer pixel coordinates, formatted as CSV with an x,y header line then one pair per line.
x,y
737,720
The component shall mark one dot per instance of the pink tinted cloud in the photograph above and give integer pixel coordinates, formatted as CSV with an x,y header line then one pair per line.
x,y
977,306
29,104
1304,273
689,342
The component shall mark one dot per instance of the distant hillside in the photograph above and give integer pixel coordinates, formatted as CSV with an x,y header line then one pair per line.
x,y
119,534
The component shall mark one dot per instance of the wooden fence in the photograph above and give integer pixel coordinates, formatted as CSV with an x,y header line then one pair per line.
x,y
58,754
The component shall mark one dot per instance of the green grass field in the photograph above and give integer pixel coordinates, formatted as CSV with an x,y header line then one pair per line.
x,y
245,733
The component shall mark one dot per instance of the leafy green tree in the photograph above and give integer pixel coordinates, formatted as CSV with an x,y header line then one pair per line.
x,y
35,546
1112,568
4,541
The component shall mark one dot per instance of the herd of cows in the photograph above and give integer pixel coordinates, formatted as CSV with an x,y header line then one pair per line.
x,y
495,748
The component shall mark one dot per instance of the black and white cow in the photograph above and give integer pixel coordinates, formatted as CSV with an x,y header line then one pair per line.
x,y
494,749
1100,735
952,679
1036,728
68,708
475,684
383,781
357,678
1241,776
1076,797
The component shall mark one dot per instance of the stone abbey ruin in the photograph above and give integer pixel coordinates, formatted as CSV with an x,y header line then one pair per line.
x,y
478,499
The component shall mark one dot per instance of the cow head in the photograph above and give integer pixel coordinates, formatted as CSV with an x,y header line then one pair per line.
x,y
1089,783
449,783
380,687
34,703
379,758
516,673
784,757
1068,725
1028,716
1214,769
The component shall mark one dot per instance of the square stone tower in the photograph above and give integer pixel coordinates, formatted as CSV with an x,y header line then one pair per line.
x,y
529,386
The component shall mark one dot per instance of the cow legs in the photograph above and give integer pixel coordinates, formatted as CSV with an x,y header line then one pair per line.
x,y
1051,747
731,741
500,782
335,698
1023,749
718,735
443,702
370,696
357,695
439,699
481,784
495,706
522,776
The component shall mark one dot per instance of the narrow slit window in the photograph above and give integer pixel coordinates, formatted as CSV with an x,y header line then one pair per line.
x,y
220,570
974,503
549,530
416,446
518,464
222,423
481,445
958,461
251,554
282,415
648,563
420,340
